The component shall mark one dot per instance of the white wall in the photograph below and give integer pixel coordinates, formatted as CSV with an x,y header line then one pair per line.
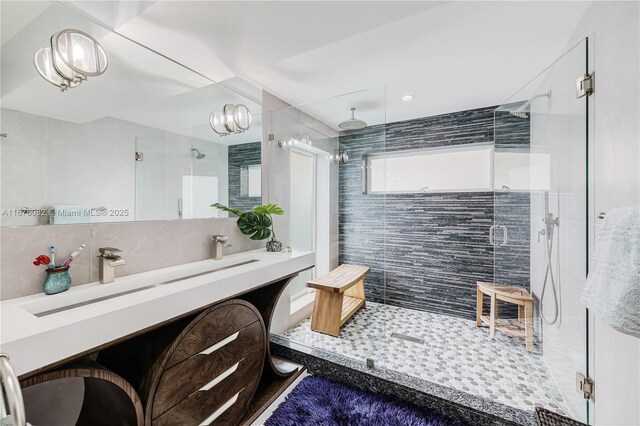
x,y
613,29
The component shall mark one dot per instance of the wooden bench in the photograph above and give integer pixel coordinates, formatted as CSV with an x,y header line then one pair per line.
x,y
339,294
506,293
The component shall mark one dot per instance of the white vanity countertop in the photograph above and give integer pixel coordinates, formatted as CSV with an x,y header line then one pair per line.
x,y
33,341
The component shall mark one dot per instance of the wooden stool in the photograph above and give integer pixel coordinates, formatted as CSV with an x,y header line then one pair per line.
x,y
516,295
339,294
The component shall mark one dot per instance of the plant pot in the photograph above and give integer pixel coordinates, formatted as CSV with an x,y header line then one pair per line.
x,y
274,245
58,280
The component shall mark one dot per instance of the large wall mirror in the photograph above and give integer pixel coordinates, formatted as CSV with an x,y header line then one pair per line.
x,y
134,143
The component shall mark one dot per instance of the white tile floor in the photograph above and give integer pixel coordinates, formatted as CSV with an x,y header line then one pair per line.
x,y
455,353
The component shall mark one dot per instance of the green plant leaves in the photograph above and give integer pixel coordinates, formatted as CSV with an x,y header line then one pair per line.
x,y
256,226
270,208
227,209
255,223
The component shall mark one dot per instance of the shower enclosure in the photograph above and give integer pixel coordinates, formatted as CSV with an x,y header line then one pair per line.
x,y
433,205
548,250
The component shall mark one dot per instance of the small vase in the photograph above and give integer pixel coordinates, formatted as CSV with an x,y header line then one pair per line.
x,y
274,245
58,280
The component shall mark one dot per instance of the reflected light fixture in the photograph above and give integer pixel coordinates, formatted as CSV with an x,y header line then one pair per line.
x,y
407,98
339,156
285,143
233,119
72,56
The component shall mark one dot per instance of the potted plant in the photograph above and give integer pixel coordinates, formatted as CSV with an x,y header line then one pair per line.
x,y
257,223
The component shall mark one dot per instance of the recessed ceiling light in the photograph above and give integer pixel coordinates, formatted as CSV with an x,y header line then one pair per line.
x,y
407,98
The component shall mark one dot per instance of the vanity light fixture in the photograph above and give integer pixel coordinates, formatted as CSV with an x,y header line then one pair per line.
x,y
233,119
285,143
339,157
43,61
407,98
72,56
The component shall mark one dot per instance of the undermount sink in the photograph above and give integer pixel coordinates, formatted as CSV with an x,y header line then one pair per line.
x,y
127,285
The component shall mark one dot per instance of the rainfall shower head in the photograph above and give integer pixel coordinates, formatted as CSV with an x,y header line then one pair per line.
x,y
199,155
521,111
353,123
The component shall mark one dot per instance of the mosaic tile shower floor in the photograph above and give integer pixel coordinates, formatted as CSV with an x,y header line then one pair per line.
x,y
455,353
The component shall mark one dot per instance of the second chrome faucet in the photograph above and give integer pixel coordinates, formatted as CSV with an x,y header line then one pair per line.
x,y
110,259
219,241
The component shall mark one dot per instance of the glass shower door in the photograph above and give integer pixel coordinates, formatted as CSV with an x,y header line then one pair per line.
x,y
316,173
540,230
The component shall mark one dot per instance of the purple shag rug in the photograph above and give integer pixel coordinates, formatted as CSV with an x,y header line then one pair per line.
x,y
320,402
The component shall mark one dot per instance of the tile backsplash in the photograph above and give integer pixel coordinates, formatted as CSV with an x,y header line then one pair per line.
x,y
145,246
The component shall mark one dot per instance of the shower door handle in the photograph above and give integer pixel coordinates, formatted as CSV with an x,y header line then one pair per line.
x,y
492,236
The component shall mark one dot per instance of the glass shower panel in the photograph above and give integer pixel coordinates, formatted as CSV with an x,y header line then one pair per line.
x,y
539,233
151,173
316,174
303,212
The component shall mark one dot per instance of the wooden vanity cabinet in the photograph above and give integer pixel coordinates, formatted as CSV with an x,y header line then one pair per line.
x,y
207,373
209,366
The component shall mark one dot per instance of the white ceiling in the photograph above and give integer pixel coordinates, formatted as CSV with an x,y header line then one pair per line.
x,y
223,39
459,56
451,55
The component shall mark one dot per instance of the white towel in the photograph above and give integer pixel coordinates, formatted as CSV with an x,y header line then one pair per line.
x,y
612,290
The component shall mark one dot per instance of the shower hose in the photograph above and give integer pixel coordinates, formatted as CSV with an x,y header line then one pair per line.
x,y
548,276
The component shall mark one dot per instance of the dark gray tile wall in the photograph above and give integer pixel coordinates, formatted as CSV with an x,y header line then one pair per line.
x,y
242,155
427,250
512,208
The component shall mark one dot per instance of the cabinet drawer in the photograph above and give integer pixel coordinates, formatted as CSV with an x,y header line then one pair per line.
x,y
218,324
208,405
181,380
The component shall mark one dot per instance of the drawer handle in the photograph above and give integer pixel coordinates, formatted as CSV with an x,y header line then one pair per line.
x,y
220,344
221,410
220,378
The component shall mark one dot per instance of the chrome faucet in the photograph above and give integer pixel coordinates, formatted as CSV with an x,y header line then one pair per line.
x,y
219,241
109,261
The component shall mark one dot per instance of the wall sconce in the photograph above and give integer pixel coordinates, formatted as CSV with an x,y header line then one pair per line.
x,y
233,119
72,56
285,143
339,157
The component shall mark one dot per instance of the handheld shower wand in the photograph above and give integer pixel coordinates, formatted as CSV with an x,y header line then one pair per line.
x,y
550,223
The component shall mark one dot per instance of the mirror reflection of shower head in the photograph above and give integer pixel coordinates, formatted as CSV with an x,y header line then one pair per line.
x,y
353,123
521,111
199,155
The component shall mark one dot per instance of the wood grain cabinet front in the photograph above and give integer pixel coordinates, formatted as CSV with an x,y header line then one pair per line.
x,y
200,370
211,371
238,354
